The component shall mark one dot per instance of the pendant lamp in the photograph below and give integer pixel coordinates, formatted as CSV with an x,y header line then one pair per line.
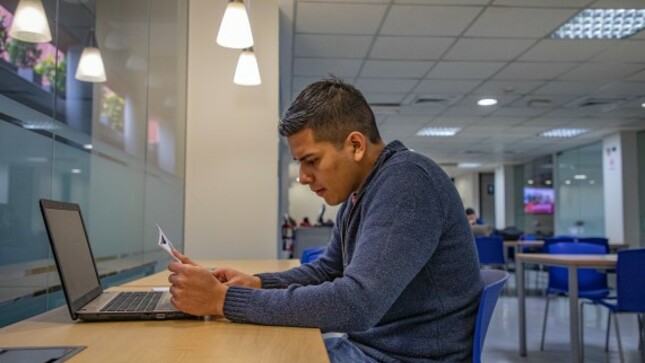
x,y
235,29
247,72
30,23
90,67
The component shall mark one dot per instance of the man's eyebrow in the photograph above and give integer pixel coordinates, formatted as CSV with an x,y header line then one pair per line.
x,y
303,157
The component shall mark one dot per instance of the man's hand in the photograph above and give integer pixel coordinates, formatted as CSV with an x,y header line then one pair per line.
x,y
195,290
182,258
232,277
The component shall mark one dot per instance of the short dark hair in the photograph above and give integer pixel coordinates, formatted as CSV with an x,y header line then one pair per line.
x,y
332,109
470,211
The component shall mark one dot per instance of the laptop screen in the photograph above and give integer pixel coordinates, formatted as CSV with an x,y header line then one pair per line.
x,y
72,252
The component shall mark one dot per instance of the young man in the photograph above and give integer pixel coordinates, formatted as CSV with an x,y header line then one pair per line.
x,y
400,276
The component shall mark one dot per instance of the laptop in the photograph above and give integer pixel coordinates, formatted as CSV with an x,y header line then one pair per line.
x,y
79,277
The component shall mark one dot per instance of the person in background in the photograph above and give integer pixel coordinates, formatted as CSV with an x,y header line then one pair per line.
x,y
399,279
472,217
477,225
305,222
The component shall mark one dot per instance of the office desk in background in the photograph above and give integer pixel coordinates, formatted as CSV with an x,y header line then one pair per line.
x,y
192,341
572,263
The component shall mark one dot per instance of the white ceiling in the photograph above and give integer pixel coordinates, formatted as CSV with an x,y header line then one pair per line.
x,y
397,51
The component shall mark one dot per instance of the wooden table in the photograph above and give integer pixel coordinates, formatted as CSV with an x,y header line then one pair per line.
x,y
572,263
184,341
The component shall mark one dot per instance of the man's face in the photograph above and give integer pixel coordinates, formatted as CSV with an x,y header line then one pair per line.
x,y
472,218
330,172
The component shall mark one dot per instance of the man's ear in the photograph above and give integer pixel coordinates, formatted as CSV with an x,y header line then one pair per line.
x,y
358,144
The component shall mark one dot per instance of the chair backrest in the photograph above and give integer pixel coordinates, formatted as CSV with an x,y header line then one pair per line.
x,y
630,280
490,250
494,281
548,242
602,241
311,254
591,283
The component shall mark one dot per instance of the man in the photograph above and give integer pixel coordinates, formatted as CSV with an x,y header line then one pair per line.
x,y
478,226
400,276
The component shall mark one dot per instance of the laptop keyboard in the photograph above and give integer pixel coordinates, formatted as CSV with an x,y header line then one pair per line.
x,y
134,301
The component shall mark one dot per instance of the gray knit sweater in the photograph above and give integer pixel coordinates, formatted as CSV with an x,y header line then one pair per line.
x,y
400,275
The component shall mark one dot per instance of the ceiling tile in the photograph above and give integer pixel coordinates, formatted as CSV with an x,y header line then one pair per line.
x,y
324,66
418,121
469,111
601,71
354,1
446,87
468,49
517,112
383,85
507,121
456,121
443,2
515,22
623,89
640,76
395,69
623,51
331,46
428,20
338,18
562,50
545,3
410,48
543,102
533,70
568,88
464,70
496,87
373,98
624,4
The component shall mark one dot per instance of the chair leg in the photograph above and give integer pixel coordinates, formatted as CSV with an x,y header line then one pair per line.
x,y
608,330
546,312
641,332
620,345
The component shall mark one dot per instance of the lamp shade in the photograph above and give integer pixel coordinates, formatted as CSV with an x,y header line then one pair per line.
x,y
90,66
235,29
247,72
30,23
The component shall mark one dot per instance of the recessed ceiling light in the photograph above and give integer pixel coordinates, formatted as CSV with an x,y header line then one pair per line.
x,y
580,177
567,182
487,102
547,182
438,131
468,165
88,146
643,104
529,182
76,171
602,24
563,132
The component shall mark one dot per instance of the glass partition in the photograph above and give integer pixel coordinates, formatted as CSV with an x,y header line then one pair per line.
x,y
579,192
115,147
535,204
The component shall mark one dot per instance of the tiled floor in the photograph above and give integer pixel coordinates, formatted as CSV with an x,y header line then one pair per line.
x,y
502,340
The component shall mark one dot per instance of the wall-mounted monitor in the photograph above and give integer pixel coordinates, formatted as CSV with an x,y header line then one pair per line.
x,y
539,200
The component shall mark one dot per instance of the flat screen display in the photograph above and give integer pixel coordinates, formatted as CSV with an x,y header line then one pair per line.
x,y
539,200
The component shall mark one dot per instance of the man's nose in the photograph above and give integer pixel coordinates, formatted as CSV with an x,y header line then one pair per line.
x,y
304,178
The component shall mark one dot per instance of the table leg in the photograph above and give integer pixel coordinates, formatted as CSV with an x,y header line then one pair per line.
x,y
519,272
573,315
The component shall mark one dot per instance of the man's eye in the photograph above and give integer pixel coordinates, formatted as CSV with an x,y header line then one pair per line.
x,y
310,161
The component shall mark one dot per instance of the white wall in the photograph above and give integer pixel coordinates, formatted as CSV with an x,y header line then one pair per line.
x,y
504,197
232,139
620,180
468,187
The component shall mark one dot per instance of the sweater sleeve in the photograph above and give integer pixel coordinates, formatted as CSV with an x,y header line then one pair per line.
x,y
400,229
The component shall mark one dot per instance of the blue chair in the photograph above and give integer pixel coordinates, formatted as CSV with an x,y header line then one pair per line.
x,y
591,283
491,251
311,254
494,281
630,296
602,241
